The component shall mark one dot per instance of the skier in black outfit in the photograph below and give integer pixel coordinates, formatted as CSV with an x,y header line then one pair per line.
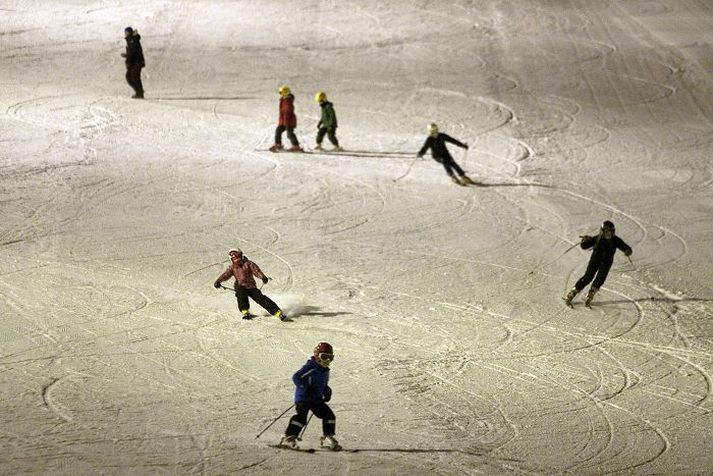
x,y
603,248
134,61
437,143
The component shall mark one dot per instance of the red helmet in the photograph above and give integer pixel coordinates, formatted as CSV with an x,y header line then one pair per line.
x,y
323,354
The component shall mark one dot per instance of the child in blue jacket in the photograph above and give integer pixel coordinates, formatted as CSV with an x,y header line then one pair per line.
x,y
312,393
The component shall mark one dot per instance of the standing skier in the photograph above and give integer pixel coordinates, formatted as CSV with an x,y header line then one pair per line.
x,y
603,248
134,60
287,121
327,123
243,270
312,393
436,141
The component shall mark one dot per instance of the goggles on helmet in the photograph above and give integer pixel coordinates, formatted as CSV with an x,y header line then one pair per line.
x,y
325,356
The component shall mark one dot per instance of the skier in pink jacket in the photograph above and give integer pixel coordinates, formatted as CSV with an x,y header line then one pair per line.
x,y
245,271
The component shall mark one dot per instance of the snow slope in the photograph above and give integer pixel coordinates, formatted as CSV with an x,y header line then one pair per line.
x,y
455,354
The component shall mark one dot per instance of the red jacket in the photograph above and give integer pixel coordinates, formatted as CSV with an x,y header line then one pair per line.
x,y
287,112
243,272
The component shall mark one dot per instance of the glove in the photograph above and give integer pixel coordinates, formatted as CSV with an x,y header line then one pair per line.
x,y
466,145
327,395
216,285
628,252
123,55
265,280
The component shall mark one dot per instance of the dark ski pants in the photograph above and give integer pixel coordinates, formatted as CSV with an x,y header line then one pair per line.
x,y
450,165
290,135
320,409
597,268
242,295
133,77
331,133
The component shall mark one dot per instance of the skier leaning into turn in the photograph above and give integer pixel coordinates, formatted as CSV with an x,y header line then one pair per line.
x,y
603,248
245,271
312,392
436,141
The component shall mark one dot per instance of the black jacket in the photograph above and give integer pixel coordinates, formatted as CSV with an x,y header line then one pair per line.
x,y
134,52
438,146
603,249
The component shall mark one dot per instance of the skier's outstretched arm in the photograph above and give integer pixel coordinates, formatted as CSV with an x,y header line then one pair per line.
x,y
426,146
450,139
226,274
587,241
623,246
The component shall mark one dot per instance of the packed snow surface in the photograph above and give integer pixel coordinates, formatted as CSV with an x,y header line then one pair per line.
x,y
454,351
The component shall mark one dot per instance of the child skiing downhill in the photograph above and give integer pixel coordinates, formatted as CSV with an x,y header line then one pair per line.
x,y
312,392
327,123
603,248
436,141
245,271
286,122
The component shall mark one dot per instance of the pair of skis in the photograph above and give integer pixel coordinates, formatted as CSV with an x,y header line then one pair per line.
x,y
312,450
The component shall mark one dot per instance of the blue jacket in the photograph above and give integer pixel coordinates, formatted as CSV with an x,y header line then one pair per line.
x,y
311,382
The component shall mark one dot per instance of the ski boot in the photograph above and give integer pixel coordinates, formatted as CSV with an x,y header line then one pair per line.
x,y
570,295
288,442
329,442
337,149
318,147
465,180
295,148
276,148
590,296
246,315
456,180
281,316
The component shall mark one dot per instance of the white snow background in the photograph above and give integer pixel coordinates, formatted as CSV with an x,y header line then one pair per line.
x,y
454,351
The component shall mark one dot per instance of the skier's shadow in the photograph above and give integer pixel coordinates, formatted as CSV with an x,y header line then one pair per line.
x,y
655,299
314,311
482,184
204,98
375,154
429,450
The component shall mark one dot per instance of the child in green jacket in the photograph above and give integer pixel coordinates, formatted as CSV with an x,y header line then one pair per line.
x,y
327,123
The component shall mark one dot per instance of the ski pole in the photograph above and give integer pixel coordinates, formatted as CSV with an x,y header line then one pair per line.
x,y
275,420
407,170
632,263
304,427
551,262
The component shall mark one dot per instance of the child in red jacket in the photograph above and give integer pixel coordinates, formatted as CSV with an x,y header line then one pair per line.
x,y
287,121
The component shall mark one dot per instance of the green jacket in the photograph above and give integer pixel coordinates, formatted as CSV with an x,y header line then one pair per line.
x,y
329,117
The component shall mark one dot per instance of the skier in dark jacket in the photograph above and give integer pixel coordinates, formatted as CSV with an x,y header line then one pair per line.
x,y
134,59
603,248
327,123
312,392
245,271
287,121
437,143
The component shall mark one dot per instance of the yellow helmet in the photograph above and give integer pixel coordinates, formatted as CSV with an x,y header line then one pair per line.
x,y
320,96
432,128
284,90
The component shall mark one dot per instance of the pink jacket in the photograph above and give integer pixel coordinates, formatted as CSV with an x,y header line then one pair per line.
x,y
243,272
